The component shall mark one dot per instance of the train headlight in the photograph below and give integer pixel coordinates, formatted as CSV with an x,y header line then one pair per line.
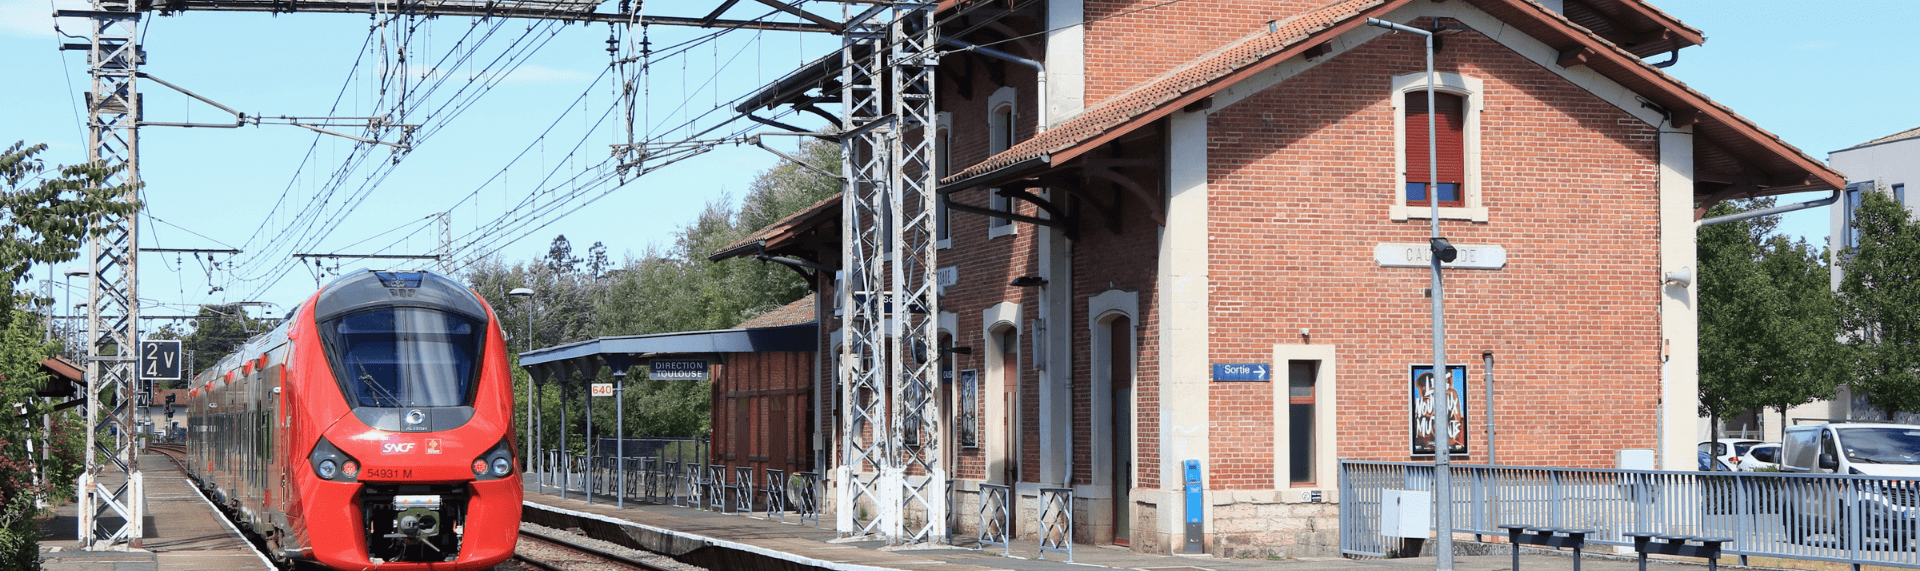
x,y
329,463
496,463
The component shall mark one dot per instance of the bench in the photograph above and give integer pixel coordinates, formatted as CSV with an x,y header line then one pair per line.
x,y
1681,545
1520,535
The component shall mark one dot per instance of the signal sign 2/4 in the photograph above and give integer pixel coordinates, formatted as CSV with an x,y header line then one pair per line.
x,y
160,360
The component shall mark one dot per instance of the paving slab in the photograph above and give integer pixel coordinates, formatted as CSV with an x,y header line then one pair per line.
x,y
183,532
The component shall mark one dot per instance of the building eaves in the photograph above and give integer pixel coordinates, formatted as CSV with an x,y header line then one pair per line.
x,y
783,232
1648,32
1896,137
1169,92
1792,170
1788,168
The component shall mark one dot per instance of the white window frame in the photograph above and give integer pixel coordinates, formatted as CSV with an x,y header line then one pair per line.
x,y
1000,134
1326,394
1472,90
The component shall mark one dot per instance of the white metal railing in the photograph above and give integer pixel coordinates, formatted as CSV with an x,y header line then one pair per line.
x,y
996,516
1056,521
807,497
1821,517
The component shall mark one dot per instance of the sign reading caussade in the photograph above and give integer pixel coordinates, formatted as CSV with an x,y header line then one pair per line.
x,y
677,370
1416,255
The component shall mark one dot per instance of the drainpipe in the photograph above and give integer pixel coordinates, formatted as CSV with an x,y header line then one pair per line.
x,y
1040,77
1768,211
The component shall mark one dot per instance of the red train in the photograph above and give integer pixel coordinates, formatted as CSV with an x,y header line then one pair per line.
x,y
371,428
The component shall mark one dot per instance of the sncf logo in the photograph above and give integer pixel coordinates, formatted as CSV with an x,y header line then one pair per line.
x,y
397,448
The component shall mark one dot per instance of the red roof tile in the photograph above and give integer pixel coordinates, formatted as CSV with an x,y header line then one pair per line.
x,y
1066,140
794,313
1247,56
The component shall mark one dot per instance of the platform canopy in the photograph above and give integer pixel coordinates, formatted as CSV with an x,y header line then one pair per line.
x,y
583,359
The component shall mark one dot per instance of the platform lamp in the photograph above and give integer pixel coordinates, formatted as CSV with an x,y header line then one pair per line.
x,y
1439,251
528,294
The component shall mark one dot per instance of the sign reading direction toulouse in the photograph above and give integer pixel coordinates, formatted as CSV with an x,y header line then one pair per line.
x,y
1256,372
677,370
1415,255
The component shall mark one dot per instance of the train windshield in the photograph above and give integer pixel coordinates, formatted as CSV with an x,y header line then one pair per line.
x,y
406,357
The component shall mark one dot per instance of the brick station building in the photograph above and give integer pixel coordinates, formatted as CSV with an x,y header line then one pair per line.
x,y
1214,213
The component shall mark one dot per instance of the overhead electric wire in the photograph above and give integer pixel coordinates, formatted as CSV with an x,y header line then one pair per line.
x,y
595,175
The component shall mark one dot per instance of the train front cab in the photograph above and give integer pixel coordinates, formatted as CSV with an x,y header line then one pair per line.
x,y
417,469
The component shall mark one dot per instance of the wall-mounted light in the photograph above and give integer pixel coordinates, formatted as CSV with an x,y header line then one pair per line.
x,y
1679,278
1028,281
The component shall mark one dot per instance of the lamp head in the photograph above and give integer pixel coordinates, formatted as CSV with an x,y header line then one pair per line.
x,y
1444,250
521,292
1028,281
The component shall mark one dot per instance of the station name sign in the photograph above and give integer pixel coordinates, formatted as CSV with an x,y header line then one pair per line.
x,y
677,370
1417,255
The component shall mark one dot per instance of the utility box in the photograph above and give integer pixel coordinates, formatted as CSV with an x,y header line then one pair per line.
x,y
1406,513
1634,459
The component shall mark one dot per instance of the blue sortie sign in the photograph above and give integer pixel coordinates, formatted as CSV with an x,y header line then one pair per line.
x,y
1194,505
1256,372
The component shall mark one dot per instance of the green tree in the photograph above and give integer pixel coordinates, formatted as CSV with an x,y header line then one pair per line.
x,y
45,216
219,331
1768,325
1880,305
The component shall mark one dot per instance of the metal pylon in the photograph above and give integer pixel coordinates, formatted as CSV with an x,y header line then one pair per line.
x,y
113,314
891,482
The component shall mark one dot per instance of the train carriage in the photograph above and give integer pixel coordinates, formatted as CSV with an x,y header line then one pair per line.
x,y
372,427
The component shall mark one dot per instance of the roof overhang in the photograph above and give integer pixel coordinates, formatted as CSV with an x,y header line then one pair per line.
x,y
1734,158
585,357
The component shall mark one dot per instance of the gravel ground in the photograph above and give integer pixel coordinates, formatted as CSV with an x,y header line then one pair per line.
x,y
574,561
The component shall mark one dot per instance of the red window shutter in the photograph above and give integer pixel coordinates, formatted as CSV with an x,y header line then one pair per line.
x,y
1450,140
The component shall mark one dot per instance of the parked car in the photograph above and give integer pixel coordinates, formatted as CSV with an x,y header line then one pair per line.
x,y
1886,508
1762,457
1728,450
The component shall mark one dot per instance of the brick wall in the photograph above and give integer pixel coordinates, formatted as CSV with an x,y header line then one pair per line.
x,y
1301,179
1132,41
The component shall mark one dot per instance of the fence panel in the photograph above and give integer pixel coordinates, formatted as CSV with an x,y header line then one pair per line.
x,y
1820,517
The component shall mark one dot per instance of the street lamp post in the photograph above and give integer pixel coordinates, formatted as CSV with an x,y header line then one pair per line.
x,y
1439,251
528,294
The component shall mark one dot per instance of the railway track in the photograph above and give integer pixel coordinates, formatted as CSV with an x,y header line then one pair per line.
x,y
564,555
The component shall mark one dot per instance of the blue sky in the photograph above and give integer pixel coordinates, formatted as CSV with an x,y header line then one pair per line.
x,y
1823,77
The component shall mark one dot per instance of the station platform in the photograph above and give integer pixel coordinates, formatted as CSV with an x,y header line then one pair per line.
x,y
183,532
740,541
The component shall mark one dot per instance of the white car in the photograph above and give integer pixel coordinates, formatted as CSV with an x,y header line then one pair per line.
x,y
1764,456
1728,451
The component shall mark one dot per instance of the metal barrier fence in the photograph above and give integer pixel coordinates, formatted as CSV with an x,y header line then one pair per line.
x,y
743,489
1848,519
996,517
776,490
1056,521
807,500
717,488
